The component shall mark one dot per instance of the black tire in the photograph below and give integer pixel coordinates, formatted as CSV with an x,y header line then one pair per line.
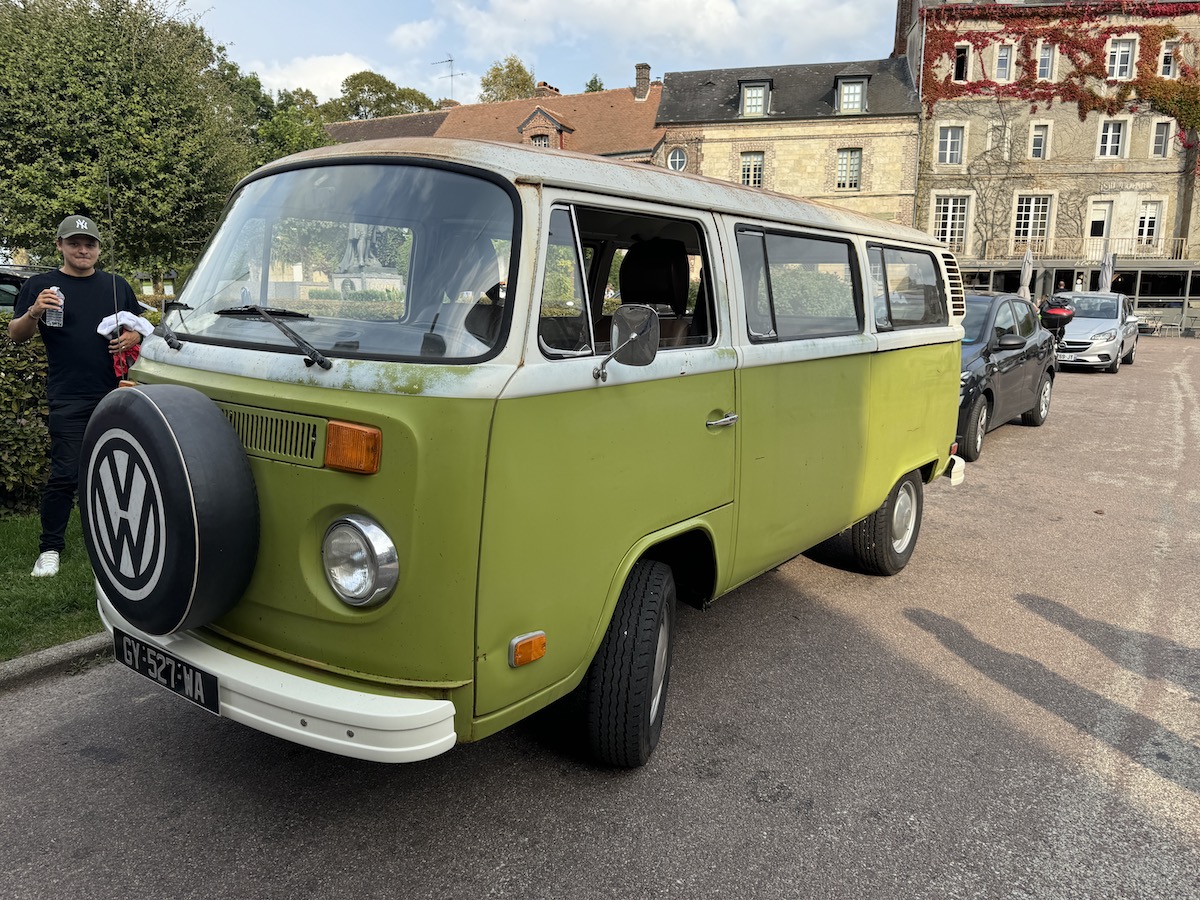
x,y
1128,358
627,682
1037,416
1114,366
976,428
884,541
169,509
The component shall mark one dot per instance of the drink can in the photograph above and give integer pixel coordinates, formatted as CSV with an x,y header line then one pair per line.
x,y
54,316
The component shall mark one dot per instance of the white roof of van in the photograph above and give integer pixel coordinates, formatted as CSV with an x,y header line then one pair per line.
x,y
579,171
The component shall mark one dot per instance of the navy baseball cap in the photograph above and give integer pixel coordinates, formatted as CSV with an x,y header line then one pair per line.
x,y
73,225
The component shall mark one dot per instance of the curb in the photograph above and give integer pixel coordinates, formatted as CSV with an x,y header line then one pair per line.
x,y
55,660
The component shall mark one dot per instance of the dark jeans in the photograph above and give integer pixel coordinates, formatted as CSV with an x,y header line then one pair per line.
x,y
67,423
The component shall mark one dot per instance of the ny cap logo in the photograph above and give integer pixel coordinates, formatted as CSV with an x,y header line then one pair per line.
x,y
82,223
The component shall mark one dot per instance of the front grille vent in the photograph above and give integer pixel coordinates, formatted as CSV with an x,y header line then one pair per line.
x,y
278,435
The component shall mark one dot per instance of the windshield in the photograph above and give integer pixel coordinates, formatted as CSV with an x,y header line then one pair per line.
x,y
381,261
1094,307
975,320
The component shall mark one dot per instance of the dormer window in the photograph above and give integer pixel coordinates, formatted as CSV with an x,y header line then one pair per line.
x,y
852,95
540,140
755,98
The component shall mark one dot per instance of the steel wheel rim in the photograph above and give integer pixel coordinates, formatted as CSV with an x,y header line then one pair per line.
x,y
1044,400
659,676
904,517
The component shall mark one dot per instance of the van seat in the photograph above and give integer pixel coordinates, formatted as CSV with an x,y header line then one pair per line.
x,y
655,273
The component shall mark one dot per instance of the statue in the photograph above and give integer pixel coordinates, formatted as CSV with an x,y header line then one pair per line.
x,y
361,241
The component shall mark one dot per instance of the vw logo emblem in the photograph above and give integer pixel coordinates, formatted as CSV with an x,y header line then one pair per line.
x,y
125,514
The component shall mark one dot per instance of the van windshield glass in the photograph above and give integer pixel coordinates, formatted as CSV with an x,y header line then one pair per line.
x,y
386,261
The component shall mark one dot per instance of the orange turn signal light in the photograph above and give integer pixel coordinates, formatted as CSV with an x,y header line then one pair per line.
x,y
526,648
125,382
353,448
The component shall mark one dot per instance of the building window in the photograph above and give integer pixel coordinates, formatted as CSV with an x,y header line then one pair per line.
x,y
1033,220
852,96
754,100
1004,61
849,169
1147,227
1039,141
677,159
1120,58
1046,62
962,62
950,222
950,145
540,140
752,169
1161,146
1169,67
1111,138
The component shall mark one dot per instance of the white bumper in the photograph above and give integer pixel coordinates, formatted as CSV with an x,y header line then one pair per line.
x,y
334,719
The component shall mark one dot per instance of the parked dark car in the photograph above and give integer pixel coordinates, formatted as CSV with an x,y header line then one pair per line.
x,y
11,279
1008,368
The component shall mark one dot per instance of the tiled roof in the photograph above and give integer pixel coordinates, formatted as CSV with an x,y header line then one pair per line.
x,y
604,123
797,92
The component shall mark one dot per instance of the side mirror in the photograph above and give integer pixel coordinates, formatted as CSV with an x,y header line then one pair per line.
x,y
1011,342
635,335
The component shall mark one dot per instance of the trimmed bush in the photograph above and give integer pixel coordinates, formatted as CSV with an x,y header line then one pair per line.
x,y
24,437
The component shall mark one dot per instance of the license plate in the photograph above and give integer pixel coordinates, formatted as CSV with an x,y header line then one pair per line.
x,y
1066,357
174,674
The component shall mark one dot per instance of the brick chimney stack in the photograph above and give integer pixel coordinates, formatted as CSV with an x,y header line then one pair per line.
x,y
546,90
642,89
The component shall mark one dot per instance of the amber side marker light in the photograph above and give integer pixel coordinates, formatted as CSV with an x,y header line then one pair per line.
x,y
353,448
526,648
125,382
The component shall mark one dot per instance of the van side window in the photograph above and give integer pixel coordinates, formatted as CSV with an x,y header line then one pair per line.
x,y
563,321
628,258
911,294
798,286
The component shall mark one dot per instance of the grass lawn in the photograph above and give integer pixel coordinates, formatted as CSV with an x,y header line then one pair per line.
x,y
36,613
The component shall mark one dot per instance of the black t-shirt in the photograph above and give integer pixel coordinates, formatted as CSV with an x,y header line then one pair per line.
x,y
81,368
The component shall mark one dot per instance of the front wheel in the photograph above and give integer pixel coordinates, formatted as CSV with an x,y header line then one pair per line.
x,y
1037,415
1115,365
626,686
977,426
884,541
1128,358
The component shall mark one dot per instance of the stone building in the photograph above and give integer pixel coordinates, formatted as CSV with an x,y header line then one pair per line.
x,y
1066,129
841,132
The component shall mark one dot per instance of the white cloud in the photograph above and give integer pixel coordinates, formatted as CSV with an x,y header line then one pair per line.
x,y
323,75
414,37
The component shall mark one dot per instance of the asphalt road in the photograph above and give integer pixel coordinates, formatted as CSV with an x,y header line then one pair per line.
x,y
1017,714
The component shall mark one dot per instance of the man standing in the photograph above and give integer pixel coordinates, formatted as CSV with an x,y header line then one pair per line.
x,y
80,363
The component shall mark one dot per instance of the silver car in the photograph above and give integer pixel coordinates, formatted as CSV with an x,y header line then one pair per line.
x,y
1104,332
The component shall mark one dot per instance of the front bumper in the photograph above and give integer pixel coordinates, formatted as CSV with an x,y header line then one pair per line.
x,y
335,719
1082,353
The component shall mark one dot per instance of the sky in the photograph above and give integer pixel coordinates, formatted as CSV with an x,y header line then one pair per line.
x,y
314,44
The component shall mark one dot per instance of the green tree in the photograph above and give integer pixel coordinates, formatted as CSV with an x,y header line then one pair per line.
x,y
119,111
295,124
594,84
368,95
507,79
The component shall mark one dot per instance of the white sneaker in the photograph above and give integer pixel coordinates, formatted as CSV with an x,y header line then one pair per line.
x,y
47,564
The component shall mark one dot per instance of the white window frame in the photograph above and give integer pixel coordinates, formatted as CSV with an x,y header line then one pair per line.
x,y
966,48
861,84
1165,127
849,169
962,146
540,140
746,158
1008,54
1046,56
677,154
937,220
1154,236
1168,65
750,91
1040,236
1104,139
1121,66
1033,127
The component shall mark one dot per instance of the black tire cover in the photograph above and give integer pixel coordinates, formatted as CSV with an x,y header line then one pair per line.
x,y
170,513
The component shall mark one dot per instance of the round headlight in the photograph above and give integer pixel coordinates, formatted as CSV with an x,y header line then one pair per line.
x,y
360,561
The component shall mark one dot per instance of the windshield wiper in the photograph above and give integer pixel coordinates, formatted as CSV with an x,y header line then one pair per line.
x,y
272,315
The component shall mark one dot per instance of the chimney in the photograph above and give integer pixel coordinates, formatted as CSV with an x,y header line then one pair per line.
x,y
642,90
545,90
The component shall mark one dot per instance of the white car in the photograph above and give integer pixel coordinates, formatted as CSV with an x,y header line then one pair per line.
x,y
1104,332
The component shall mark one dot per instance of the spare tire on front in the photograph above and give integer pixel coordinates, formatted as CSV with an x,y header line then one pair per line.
x,y
169,508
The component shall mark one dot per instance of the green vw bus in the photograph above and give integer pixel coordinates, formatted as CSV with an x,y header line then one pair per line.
x,y
440,431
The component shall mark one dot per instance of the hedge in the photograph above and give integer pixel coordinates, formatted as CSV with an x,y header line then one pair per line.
x,y
24,437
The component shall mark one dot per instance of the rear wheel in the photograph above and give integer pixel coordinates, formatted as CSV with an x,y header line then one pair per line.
x,y
1037,415
977,426
626,687
884,541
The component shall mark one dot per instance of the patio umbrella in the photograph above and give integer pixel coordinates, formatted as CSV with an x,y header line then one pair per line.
x,y
1026,273
1107,265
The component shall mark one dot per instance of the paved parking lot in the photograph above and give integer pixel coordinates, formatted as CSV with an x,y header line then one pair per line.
x,y
1017,714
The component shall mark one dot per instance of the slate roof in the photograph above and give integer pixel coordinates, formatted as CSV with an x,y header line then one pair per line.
x,y
604,123
797,92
